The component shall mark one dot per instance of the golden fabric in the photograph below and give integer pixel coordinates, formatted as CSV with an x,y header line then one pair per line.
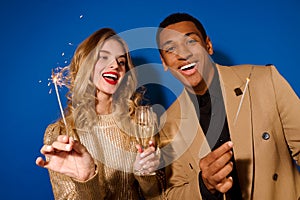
x,y
114,153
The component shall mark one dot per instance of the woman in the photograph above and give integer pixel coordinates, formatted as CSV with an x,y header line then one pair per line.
x,y
94,156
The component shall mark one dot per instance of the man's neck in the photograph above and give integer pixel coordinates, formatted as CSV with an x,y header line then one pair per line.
x,y
204,84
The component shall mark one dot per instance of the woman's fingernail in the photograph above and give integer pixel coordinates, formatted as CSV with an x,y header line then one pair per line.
x,y
140,149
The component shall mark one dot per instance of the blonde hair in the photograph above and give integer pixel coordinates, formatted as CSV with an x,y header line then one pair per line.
x,y
80,111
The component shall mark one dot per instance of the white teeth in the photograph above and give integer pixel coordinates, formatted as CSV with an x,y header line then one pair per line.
x,y
187,66
113,76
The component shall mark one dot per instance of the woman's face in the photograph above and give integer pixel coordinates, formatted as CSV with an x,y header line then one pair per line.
x,y
110,67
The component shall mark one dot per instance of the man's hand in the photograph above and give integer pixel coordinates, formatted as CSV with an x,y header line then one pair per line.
x,y
216,167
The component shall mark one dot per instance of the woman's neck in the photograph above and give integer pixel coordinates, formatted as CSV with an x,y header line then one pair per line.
x,y
104,103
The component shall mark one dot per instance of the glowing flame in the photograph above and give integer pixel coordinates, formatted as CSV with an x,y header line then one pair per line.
x,y
54,79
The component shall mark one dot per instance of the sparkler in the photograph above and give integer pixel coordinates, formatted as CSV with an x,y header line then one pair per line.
x,y
59,79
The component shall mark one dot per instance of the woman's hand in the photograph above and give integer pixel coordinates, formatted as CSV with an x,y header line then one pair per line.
x,y
68,157
147,160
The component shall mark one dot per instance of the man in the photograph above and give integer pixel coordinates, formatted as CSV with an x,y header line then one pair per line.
x,y
233,132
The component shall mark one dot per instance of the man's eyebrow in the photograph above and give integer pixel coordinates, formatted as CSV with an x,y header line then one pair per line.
x,y
192,33
166,43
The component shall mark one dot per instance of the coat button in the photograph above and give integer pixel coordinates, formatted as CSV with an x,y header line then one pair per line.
x,y
275,177
266,136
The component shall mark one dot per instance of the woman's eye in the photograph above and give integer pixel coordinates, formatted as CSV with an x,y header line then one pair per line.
x,y
121,62
103,57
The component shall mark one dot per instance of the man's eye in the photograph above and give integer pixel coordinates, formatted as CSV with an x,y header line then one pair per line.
x,y
191,41
170,49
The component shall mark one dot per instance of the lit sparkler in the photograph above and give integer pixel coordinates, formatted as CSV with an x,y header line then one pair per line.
x,y
58,78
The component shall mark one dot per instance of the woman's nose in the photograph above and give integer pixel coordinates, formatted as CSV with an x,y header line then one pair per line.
x,y
115,64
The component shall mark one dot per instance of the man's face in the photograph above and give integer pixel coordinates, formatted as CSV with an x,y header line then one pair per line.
x,y
186,53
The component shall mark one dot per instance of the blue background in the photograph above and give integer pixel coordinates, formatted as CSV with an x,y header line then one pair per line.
x,y
35,34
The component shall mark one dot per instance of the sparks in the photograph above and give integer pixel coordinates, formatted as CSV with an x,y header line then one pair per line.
x,y
59,76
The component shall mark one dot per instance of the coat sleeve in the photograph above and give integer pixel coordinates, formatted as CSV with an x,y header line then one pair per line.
x,y
179,186
288,106
181,179
152,187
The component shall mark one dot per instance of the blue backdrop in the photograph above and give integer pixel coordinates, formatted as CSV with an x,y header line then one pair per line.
x,y
37,36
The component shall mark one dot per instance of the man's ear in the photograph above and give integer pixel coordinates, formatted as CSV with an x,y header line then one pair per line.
x,y
209,46
163,63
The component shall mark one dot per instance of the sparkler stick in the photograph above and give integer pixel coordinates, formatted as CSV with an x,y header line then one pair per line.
x,y
59,102
58,79
242,99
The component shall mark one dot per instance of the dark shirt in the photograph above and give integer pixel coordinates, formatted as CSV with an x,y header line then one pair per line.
x,y
212,118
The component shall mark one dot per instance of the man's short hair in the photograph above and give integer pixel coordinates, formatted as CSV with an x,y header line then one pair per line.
x,y
179,17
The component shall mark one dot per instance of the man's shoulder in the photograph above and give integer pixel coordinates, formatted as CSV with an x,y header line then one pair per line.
x,y
246,69
243,66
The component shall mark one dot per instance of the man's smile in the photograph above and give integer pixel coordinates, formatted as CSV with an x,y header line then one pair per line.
x,y
188,66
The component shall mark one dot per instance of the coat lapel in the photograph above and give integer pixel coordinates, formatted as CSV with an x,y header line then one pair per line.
x,y
193,134
241,130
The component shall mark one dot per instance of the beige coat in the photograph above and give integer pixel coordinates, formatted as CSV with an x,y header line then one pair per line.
x,y
266,136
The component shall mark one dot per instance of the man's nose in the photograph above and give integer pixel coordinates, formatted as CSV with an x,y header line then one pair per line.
x,y
184,52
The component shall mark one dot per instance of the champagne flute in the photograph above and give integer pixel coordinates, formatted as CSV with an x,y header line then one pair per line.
x,y
145,128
